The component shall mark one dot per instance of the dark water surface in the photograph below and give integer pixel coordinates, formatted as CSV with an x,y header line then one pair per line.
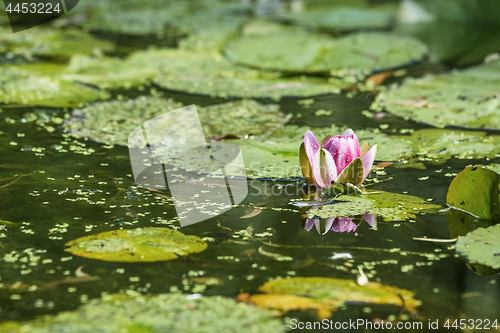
x,y
56,188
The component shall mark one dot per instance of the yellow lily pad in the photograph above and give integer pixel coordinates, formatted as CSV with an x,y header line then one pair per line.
x,y
333,290
285,303
136,245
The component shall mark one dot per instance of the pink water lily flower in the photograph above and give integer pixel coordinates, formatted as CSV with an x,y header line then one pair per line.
x,y
339,224
336,158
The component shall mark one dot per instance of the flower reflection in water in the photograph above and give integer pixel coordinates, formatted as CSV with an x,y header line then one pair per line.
x,y
339,224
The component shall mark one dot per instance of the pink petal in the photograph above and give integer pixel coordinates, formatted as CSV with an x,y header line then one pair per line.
x,y
344,155
309,224
324,169
368,160
371,219
344,224
328,144
353,145
352,140
349,132
311,145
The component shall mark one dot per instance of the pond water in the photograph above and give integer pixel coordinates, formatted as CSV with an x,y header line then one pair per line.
x,y
64,195
55,188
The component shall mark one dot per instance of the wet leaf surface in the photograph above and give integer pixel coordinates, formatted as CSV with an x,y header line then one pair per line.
x,y
136,245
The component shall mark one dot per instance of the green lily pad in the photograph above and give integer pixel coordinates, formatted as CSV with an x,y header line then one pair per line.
x,y
482,246
126,18
391,206
211,74
212,19
22,87
475,190
51,43
149,314
441,144
344,15
466,98
110,72
432,144
209,28
305,52
136,245
194,72
492,166
112,122
331,289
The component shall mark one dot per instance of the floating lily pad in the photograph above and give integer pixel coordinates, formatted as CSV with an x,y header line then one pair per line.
x,y
441,144
466,98
126,18
50,43
285,303
209,28
136,245
305,52
112,122
209,74
475,190
335,291
172,19
194,72
21,87
343,15
482,246
110,72
149,314
391,206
